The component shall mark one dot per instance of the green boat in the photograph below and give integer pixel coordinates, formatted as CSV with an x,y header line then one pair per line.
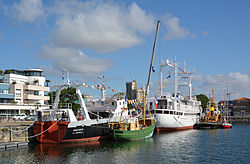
x,y
133,130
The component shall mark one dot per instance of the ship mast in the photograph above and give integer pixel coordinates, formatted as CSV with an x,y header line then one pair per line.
x,y
227,102
150,69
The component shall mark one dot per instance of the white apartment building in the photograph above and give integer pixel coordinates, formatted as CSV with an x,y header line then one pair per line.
x,y
28,89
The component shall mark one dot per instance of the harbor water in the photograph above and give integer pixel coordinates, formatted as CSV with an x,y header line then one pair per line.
x,y
192,146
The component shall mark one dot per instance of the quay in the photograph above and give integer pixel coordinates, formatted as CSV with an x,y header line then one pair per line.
x,y
12,132
239,119
11,145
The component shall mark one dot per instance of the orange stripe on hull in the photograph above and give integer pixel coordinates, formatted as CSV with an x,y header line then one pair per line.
x,y
83,139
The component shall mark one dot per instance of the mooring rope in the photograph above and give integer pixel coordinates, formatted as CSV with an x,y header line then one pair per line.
x,y
45,130
17,131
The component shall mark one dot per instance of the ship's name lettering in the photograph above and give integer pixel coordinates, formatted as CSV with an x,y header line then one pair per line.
x,y
77,130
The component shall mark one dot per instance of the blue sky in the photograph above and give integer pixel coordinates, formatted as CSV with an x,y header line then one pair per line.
x,y
116,38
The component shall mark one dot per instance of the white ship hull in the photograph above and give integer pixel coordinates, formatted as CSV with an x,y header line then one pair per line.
x,y
172,122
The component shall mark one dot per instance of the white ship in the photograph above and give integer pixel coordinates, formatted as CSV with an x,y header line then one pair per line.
x,y
176,111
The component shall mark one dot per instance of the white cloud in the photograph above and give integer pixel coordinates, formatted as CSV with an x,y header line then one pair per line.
x,y
197,77
106,27
28,10
73,60
174,31
205,32
239,84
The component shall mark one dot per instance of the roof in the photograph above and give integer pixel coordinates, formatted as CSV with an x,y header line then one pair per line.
x,y
34,69
242,98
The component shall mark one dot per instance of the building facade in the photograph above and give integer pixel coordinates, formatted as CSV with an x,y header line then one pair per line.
x,y
241,107
5,95
131,89
132,92
22,91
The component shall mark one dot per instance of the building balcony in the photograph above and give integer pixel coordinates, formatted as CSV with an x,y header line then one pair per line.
x,y
6,96
36,88
35,97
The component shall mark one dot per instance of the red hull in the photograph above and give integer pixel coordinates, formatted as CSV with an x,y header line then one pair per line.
x,y
226,126
54,132
50,132
164,129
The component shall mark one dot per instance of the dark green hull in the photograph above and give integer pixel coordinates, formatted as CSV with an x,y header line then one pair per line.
x,y
144,133
207,125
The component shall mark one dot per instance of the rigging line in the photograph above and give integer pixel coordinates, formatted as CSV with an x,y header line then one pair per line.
x,y
16,132
95,114
45,130
178,121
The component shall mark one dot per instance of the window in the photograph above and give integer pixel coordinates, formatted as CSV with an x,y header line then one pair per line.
x,y
166,112
151,105
26,92
36,93
159,111
5,91
18,92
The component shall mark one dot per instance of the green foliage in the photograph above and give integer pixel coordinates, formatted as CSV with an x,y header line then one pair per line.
x,y
52,96
204,101
7,71
36,81
68,95
5,130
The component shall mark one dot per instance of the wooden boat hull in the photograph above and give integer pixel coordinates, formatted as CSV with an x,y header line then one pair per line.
x,y
144,133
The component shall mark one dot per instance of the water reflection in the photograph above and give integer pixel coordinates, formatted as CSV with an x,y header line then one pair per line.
x,y
60,150
193,146
94,152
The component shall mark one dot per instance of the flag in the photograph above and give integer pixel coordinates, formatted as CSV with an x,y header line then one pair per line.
x,y
63,76
168,75
153,69
156,102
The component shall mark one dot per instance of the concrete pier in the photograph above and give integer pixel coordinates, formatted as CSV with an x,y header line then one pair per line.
x,y
11,145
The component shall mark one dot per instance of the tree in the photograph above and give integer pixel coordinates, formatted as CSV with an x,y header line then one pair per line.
x,y
52,96
36,81
47,81
204,101
1,72
7,71
68,95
